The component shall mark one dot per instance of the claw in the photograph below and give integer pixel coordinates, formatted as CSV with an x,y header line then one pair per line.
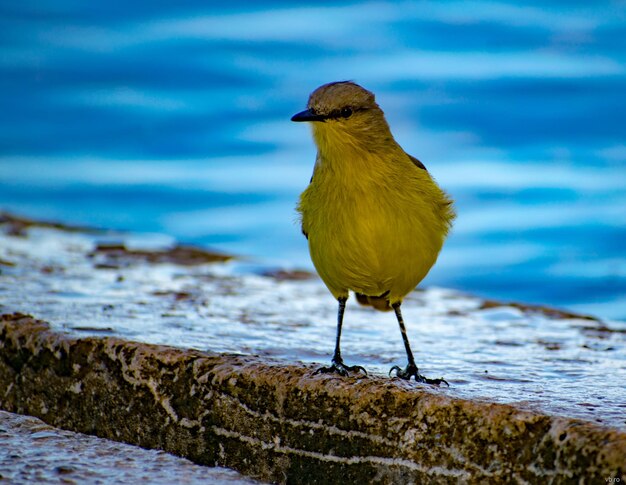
x,y
411,370
396,368
340,368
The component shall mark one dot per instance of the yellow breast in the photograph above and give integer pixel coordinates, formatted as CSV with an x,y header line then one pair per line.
x,y
375,224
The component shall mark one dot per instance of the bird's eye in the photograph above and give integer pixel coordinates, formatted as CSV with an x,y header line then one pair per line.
x,y
346,112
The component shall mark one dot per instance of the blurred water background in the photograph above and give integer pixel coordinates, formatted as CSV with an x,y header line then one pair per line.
x,y
174,118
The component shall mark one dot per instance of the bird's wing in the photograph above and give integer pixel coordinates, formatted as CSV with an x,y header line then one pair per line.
x,y
444,202
417,163
306,234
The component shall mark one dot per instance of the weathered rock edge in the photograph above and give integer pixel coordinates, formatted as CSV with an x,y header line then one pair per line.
x,y
278,423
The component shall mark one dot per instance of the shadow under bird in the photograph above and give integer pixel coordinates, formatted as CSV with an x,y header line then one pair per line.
x,y
374,218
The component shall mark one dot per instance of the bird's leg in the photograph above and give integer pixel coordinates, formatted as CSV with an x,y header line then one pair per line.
x,y
337,363
411,368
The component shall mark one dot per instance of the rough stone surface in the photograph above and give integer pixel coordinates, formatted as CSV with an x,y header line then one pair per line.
x,y
18,226
117,255
280,423
32,452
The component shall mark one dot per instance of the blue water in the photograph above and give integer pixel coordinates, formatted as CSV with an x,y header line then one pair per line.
x,y
175,119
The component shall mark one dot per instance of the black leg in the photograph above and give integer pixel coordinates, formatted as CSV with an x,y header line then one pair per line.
x,y
340,312
337,364
411,368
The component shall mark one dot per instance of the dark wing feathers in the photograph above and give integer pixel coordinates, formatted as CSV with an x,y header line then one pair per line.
x,y
417,163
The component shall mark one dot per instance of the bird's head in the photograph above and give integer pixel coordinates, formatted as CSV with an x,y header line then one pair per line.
x,y
344,111
338,101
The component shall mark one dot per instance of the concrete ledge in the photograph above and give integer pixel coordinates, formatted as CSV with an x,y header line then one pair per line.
x,y
278,423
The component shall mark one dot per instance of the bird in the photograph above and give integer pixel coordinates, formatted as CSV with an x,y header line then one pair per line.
x,y
374,217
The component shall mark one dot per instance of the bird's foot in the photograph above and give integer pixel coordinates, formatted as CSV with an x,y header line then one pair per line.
x,y
412,371
338,367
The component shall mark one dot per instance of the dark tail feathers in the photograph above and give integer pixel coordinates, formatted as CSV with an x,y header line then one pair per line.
x,y
379,302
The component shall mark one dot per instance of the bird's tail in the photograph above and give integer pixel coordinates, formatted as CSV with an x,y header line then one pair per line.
x,y
379,302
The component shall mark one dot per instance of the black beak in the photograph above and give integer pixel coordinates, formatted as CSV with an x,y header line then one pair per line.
x,y
307,115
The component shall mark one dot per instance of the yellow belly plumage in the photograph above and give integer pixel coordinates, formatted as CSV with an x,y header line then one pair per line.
x,y
375,224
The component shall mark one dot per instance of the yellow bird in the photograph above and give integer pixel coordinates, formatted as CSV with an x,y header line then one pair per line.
x,y
374,218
